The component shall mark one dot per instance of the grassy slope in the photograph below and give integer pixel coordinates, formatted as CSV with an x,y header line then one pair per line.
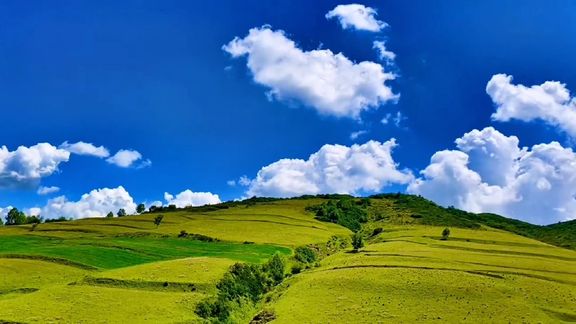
x,y
125,270
408,209
144,273
409,275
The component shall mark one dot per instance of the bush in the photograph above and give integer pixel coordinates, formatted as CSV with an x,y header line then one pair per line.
x,y
357,241
296,268
275,268
346,212
242,283
305,254
377,231
445,234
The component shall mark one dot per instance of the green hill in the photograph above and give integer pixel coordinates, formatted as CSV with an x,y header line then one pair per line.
x,y
490,269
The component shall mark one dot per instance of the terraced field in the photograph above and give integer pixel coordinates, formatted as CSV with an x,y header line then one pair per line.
x,y
408,274
127,270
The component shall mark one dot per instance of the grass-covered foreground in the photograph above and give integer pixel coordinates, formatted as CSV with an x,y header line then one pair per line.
x,y
128,270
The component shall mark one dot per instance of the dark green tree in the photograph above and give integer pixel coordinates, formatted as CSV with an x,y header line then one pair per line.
x,y
141,208
121,212
445,234
276,268
15,217
357,241
158,220
110,215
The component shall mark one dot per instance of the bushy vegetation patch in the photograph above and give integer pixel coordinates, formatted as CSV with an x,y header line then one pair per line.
x,y
197,237
350,213
242,284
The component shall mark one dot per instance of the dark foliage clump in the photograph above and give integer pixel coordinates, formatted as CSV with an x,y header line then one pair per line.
x,y
347,212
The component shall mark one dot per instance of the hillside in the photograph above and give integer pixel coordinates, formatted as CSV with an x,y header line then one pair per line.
x,y
128,269
409,209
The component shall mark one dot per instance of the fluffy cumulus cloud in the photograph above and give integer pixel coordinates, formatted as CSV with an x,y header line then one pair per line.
x,y
550,102
333,169
25,166
47,190
83,148
127,159
490,173
189,198
331,83
96,203
357,16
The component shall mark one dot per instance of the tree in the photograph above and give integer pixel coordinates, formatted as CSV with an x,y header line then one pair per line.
x,y
158,220
121,212
445,234
357,241
276,268
141,208
33,228
15,217
110,215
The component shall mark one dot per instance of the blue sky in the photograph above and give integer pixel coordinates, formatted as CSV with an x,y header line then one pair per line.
x,y
153,77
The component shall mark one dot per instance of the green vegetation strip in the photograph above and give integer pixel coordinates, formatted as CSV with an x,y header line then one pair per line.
x,y
142,284
18,291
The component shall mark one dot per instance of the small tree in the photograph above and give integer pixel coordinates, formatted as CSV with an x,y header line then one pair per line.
x,y
110,215
141,208
445,234
276,268
357,241
33,228
15,217
158,220
121,212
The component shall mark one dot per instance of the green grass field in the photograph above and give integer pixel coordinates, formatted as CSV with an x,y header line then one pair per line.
x,y
127,270
409,275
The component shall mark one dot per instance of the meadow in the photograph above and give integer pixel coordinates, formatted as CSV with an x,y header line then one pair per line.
x,y
128,270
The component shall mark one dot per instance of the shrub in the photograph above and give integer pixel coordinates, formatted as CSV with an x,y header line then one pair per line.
x,y
305,254
357,241
445,234
275,268
158,220
377,231
296,268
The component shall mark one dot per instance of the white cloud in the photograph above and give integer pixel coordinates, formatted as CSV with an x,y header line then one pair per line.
x,y
244,181
395,119
128,158
357,16
330,83
333,169
4,211
34,211
550,102
231,183
25,166
491,173
47,190
83,148
156,203
383,53
96,203
189,198
355,135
